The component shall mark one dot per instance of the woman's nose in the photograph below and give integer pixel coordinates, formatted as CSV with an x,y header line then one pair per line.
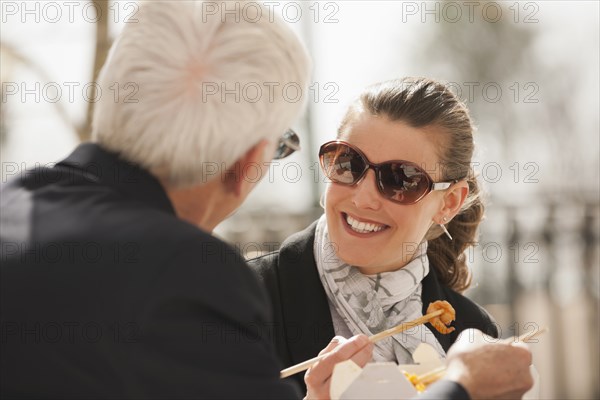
x,y
365,194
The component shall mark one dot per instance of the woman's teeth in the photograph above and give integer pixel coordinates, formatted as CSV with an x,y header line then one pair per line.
x,y
363,227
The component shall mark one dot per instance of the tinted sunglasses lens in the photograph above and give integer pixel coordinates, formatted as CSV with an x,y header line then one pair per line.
x,y
341,163
288,143
402,182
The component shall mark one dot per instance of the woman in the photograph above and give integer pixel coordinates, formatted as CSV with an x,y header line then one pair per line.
x,y
400,211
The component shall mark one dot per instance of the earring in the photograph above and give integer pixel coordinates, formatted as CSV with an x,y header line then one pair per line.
x,y
444,228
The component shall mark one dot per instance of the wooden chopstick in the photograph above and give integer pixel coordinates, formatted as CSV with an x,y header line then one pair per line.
x,y
432,376
526,337
435,374
303,366
404,326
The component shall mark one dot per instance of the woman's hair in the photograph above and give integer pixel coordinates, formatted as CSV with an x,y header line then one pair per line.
x,y
189,84
421,102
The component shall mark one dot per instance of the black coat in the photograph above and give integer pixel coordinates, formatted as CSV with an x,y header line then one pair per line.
x,y
303,324
105,293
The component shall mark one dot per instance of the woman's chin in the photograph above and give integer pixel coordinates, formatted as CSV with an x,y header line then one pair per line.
x,y
356,258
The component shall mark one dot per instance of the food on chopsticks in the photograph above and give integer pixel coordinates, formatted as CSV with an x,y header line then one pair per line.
x,y
414,379
441,322
439,313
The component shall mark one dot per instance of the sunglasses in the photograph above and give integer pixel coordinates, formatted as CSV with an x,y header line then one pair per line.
x,y
289,142
402,182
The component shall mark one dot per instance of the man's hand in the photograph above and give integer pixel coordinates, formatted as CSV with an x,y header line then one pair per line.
x,y
318,377
488,369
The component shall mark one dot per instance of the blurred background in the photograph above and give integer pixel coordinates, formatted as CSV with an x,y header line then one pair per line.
x,y
528,71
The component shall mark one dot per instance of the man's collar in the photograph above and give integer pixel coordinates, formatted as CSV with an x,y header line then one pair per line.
x,y
104,167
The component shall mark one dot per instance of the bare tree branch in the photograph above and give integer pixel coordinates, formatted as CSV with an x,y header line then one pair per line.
x,y
17,56
103,44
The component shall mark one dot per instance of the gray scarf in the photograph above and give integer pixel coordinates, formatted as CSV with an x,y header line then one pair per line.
x,y
372,303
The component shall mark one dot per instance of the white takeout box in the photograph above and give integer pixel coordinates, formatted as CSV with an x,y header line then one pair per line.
x,y
381,380
386,380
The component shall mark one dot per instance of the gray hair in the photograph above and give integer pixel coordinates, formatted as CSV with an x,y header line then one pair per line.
x,y
190,84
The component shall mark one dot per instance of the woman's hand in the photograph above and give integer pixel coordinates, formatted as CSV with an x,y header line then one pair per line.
x,y
318,378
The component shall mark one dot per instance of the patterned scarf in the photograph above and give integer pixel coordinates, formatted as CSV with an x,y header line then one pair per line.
x,y
372,303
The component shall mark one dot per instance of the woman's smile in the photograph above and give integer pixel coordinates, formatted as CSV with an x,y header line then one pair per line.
x,y
362,227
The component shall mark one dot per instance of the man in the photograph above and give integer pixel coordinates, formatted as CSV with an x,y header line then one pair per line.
x,y
111,284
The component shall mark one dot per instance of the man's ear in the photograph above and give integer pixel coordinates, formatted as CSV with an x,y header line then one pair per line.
x,y
240,179
454,198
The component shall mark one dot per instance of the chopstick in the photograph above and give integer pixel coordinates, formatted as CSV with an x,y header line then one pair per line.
x,y
303,366
526,337
432,376
404,326
435,374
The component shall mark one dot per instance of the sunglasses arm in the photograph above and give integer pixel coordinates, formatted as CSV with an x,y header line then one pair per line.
x,y
441,185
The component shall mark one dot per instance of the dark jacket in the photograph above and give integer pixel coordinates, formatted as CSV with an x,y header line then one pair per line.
x,y
105,293
303,324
